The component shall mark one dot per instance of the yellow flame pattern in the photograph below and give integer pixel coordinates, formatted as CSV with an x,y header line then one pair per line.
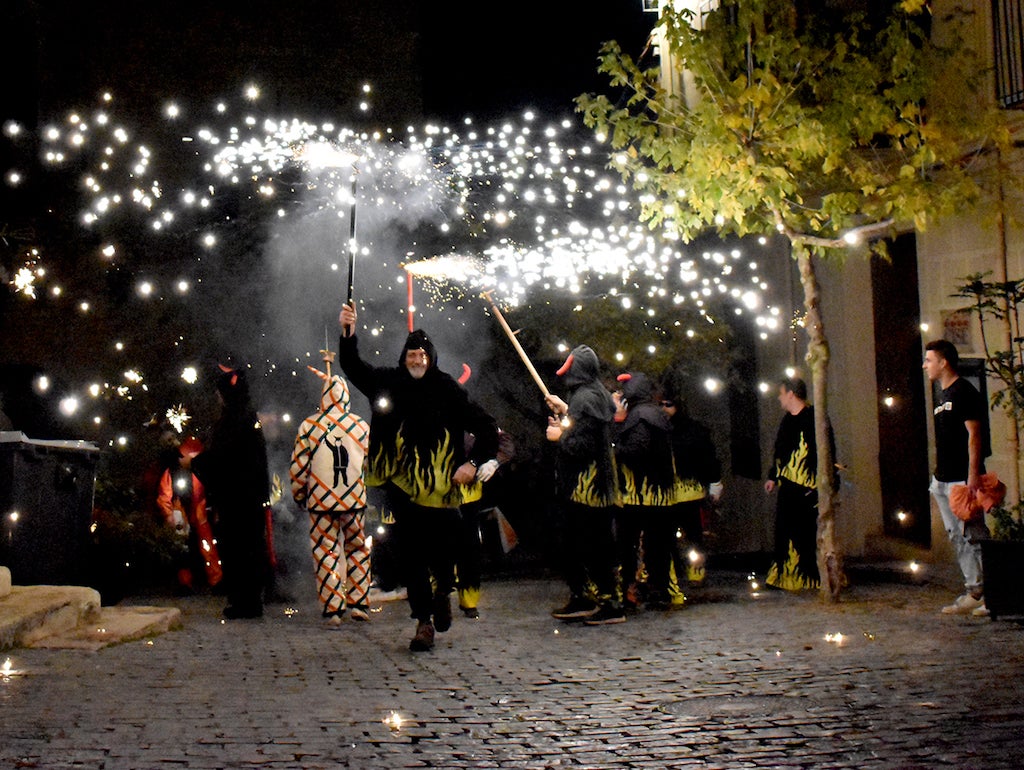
x,y
587,492
788,577
644,494
427,480
796,469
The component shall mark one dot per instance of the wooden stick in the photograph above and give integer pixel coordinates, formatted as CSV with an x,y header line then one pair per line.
x,y
515,343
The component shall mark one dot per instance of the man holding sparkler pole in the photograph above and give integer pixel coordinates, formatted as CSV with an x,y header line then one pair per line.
x,y
420,416
585,482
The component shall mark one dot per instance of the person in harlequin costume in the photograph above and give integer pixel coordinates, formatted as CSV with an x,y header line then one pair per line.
x,y
585,484
643,453
327,480
233,469
698,483
794,478
181,499
420,417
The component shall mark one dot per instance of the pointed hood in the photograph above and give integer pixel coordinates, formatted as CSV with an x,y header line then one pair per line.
x,y
334,394
580,367
581,374
233,386
415,341
636,387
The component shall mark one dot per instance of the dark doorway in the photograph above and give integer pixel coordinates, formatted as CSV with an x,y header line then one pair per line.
x,y
902,409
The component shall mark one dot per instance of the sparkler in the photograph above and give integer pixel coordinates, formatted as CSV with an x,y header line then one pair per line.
x,y
515,343
535,198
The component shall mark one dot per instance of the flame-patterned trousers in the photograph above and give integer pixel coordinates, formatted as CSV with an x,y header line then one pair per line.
x,y
341,557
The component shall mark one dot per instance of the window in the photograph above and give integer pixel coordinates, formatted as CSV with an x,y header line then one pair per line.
x,y
1008,41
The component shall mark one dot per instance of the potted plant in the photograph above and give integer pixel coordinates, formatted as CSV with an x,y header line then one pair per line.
x,y
1003,554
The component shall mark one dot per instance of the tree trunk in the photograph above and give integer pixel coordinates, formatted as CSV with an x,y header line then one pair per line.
x,y
830,562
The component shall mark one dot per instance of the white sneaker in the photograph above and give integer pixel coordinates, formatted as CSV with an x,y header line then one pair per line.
x,y
964,605
980,612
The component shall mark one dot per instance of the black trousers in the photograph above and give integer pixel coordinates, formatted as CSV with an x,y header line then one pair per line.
x,y
426,546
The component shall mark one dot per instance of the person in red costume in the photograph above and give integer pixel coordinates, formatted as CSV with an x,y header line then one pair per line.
x,y
181,499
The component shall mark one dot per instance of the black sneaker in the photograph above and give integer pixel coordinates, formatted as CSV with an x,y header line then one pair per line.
x,y
606,616
442,612
577,609
424,638
470,612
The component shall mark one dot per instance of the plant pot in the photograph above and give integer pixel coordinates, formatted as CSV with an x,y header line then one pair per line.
x,y
1003,565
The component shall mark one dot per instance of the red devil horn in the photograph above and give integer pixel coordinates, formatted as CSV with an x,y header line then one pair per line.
x,y
224,369
624,377
565,367
466,374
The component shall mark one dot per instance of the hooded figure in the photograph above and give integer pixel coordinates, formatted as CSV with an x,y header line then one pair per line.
x,y
419,424
585,468
585,481
643,446
234,471
327,480
420,417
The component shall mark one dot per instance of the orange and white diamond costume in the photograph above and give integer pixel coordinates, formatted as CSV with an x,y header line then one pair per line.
x,y
327,480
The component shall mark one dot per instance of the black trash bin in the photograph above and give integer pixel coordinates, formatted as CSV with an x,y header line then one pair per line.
x,y
46,500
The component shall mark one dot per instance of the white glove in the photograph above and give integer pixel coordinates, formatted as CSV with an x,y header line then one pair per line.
x,y
715,491
485,471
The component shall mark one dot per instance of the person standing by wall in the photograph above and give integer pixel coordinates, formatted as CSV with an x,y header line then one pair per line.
x,y
961,446
327,480
794,477
420,418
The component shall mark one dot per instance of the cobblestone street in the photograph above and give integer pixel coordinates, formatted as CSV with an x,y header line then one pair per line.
x,y
731,681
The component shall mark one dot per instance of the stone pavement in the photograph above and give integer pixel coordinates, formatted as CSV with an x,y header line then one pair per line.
x,y
733,680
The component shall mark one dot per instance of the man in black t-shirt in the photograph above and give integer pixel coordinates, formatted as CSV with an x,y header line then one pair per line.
x,y
960,449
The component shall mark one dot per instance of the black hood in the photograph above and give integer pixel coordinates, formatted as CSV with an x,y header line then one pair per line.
x,y
233,386
416,340
580,367
638,388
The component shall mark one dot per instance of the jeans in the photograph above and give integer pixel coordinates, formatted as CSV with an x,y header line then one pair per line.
x,y
960,533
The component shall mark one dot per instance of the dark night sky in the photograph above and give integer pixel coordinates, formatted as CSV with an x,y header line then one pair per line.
x,y
440,59
434,60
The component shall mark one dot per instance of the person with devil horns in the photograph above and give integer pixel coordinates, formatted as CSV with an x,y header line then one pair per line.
x,y
585,483
233,469
420,416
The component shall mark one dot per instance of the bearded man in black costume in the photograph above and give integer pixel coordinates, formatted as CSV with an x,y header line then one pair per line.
x,y
419,419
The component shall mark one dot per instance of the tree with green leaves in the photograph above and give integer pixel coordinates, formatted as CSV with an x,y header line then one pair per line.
x,y
794,121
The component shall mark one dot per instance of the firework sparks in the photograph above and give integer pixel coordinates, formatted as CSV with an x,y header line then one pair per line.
x,y
178,417
518,208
